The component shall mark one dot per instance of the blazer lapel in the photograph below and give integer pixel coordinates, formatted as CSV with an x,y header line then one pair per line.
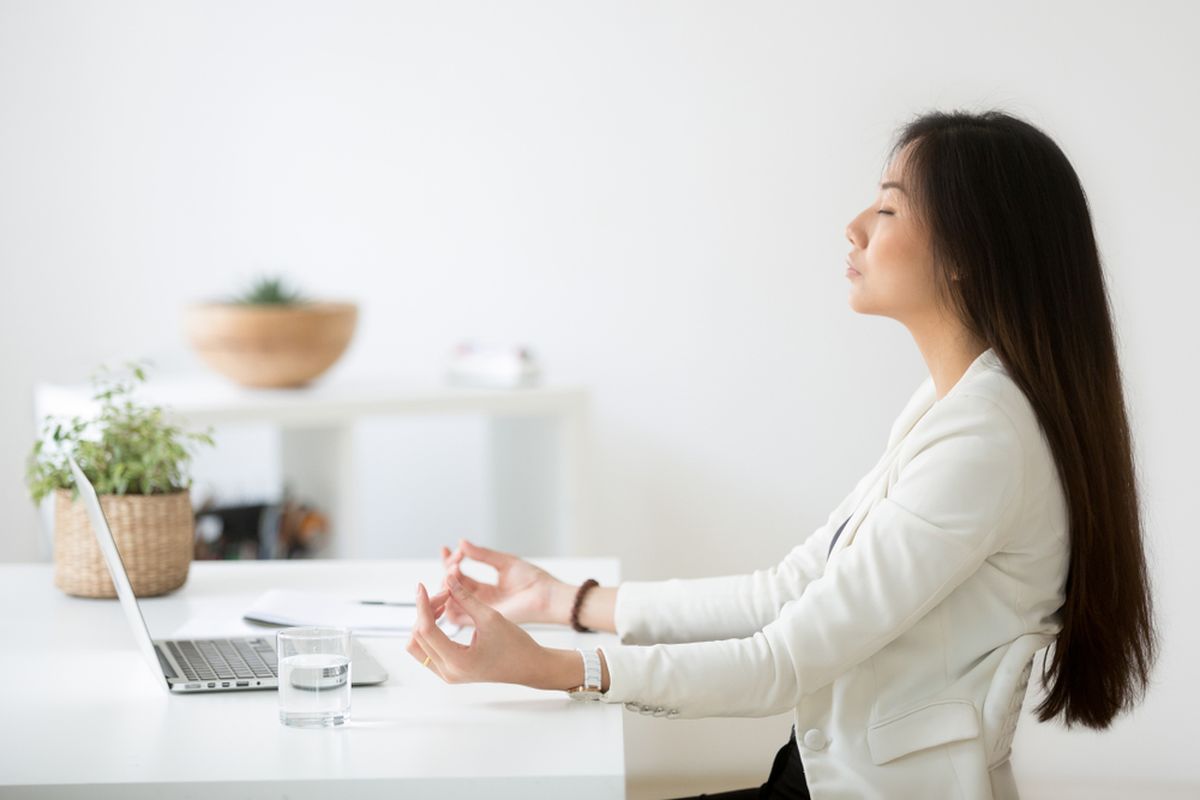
x,y
876,487
920,402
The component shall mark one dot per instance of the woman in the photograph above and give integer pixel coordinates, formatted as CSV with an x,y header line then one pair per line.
x,y
1002,517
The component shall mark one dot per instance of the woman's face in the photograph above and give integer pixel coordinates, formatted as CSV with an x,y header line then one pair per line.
x,y
890,266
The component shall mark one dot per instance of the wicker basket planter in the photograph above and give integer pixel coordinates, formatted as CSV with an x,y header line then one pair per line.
x,y
155,536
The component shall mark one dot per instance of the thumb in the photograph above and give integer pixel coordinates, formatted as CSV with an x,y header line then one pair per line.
x,y
475,608
466,580
494,558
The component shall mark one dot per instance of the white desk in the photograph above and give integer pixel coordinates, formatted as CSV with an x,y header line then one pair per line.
x,y
109,730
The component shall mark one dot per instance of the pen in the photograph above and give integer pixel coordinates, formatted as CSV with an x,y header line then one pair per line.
x,y
384,603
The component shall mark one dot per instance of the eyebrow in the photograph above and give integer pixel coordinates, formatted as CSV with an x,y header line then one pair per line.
x,y
891,185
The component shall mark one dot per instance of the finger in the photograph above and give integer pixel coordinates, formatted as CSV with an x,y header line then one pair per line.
x,y
455,613
430,657
424,611
479,611
414,649
487,556
434,662
438,610
444,650
460,614
473,585
428,612
448,663
451,563
449,600
438,601
419,652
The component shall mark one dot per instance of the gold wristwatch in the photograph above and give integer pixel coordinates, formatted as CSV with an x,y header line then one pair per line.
x,y
591,687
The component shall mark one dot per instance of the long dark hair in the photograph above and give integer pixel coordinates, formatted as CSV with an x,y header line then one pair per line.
x,y
1015,258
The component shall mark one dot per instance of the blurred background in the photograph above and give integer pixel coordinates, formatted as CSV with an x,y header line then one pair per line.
x,y
651,197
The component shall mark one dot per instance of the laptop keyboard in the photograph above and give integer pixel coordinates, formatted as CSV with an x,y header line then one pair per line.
x,y
225,659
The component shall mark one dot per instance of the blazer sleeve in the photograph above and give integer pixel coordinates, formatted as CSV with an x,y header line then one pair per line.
x,y
727,606
723,607
942,517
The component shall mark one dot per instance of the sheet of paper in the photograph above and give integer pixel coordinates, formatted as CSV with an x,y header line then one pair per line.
x,y
290,607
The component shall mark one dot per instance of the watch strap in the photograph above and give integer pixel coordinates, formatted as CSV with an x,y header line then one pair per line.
x,y
590,688
591,669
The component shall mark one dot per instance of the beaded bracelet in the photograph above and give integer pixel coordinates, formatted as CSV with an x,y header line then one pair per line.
x,y
588,584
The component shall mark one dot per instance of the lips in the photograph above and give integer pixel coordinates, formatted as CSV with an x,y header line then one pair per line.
x,y
851,268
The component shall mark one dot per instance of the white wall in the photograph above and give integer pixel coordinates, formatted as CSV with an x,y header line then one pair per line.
x,y
652,194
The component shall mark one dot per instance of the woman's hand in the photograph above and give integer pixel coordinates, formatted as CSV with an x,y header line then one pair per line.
x,y
522,593
500,651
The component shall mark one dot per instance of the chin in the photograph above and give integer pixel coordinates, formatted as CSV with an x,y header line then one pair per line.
x,y
860,307
856,303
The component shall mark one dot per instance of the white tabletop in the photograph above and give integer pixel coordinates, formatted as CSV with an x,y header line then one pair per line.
x,y
83,716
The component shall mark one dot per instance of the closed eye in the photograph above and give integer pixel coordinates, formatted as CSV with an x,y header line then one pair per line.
x,y
882,211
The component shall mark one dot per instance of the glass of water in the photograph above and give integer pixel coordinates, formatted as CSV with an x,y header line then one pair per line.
x,y
314,676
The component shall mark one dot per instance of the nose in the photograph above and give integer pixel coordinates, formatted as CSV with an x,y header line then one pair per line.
x,y
854,234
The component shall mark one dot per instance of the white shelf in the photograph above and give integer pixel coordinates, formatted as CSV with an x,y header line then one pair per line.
x,y
534,450
204,400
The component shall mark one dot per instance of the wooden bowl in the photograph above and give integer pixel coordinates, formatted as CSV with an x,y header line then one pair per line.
x,y
266,346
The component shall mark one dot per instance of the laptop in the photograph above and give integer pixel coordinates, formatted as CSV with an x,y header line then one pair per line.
x,y
202,665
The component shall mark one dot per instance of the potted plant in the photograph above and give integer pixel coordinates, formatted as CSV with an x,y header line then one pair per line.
x,y
137,461
271,336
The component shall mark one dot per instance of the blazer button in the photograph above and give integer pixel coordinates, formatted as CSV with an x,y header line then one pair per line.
x,y
814,739
673,713
660,711
631,706
646,709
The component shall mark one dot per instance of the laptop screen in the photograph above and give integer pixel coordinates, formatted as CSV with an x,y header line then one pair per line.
x,y
116,568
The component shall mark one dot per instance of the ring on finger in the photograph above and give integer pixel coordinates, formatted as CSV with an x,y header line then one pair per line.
x,y
429,661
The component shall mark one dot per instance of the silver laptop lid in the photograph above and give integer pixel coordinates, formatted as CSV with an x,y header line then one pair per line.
x,y
116,568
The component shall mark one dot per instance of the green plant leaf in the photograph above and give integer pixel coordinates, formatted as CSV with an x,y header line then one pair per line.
x,y
133,450
270,291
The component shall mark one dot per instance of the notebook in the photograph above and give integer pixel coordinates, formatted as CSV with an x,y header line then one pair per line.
x,y
291,607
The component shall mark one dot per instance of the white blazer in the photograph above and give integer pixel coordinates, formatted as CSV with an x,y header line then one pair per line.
x,y
905,655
